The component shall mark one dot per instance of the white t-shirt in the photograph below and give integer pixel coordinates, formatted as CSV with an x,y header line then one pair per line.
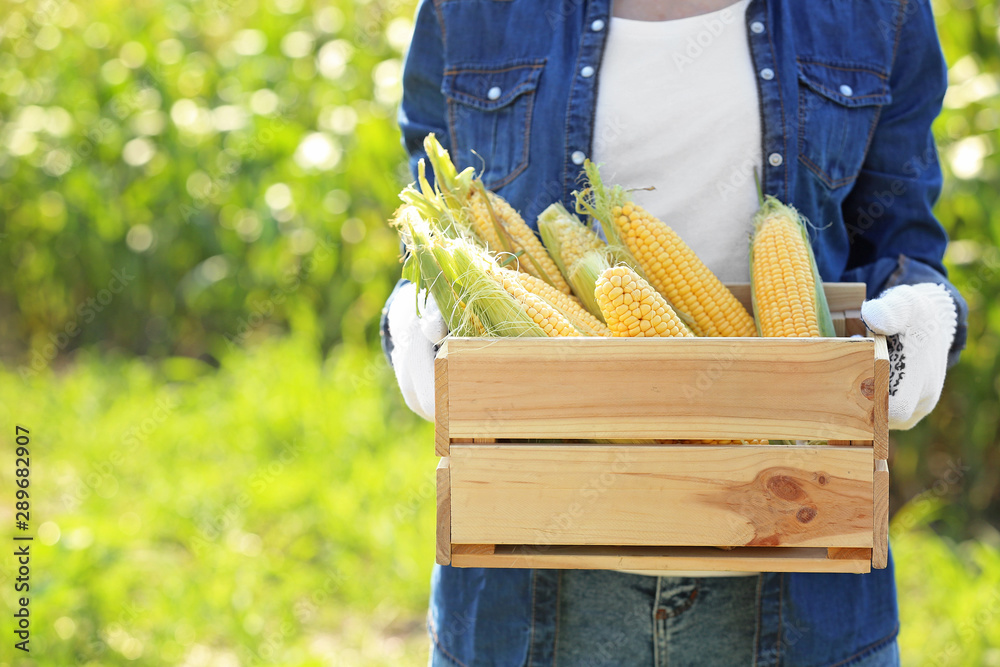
x,y
677,109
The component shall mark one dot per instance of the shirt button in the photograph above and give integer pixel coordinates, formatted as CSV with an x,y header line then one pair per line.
x,y
597,25
588,72
757,27
767,74
846,90
494,93
775,159
577,157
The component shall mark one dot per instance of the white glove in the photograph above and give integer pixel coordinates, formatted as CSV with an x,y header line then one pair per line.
x,y
415,339
919,323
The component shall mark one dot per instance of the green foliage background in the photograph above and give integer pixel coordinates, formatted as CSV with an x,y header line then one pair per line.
x,y
193,199
214,109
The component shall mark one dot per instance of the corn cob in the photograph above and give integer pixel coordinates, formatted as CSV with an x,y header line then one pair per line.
x,y
487,216
787,292
667,262
632,307
569,241
569,306
544,314
459,275
565,237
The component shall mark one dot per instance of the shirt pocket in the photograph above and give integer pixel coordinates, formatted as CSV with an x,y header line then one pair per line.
x,y
489,117
839,106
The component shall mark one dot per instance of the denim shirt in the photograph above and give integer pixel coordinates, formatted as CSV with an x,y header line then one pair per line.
x,y
848,90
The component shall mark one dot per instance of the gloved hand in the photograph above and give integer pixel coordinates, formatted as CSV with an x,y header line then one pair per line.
x,y
919,324
415,340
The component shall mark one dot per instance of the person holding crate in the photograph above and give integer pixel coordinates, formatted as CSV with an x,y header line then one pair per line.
x,y
834,108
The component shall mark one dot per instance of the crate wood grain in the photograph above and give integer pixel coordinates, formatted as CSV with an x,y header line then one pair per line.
x,y
691,388
739,495
443,479
441,403
740,559
880,552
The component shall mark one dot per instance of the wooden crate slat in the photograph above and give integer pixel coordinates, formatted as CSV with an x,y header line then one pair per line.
x,y
881,387
853,324
472,549
443,555
753,495
880,550
741,559
441,434
840,553
725,388
839,321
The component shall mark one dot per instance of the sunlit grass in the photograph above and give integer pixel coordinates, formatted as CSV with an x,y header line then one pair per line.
x,y
281,506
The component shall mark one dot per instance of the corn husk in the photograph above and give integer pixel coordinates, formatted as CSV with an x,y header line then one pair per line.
x,y
457,273
583,277
558,226
457,191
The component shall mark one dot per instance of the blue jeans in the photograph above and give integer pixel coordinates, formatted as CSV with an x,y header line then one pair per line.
x,y
613,618
608,618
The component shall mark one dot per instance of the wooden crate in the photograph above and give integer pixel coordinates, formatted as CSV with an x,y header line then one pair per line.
x,y
517,488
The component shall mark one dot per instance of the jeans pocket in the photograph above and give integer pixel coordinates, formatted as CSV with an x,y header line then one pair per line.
x,y
489,116
839,105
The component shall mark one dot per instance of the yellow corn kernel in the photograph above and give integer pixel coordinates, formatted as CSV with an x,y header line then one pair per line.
x,y
569,306
492,211
545,315
626,319
788,298
753,441
676,272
